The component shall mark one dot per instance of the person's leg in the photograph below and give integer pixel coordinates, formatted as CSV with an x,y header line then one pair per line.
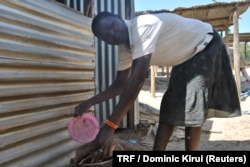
x,y
163,135
192,138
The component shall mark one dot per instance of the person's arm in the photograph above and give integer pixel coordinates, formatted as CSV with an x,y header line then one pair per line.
x,y
113,90
103,146
132,88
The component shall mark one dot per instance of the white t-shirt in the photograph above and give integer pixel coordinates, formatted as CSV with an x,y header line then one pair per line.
x,y
170,38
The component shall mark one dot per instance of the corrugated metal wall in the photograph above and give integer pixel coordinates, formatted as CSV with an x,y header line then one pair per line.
x,y
107,57
106,54
47,63
107,61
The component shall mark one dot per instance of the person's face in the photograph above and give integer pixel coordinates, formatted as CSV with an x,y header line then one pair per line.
x,y
113,31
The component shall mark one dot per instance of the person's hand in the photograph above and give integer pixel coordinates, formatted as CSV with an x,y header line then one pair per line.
x,y
82,108
103,146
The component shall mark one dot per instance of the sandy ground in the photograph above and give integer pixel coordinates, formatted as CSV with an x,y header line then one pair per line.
x,y
217,134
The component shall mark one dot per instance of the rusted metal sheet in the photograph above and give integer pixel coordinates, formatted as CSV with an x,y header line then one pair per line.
x,y
47,63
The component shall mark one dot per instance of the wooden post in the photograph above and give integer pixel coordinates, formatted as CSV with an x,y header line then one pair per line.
x,y
168,74
245,56
226,39
236,51
153,81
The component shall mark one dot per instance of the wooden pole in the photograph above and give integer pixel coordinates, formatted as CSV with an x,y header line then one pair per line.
x,y
245,56
153,81
168,74
226,39
236,51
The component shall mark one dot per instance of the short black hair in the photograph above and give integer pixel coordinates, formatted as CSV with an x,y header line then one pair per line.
x,y
98,18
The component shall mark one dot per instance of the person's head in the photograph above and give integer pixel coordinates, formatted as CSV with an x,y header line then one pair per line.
x,y
110,28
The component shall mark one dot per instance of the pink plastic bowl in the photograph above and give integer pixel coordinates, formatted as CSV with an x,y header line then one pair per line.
x,y
84,129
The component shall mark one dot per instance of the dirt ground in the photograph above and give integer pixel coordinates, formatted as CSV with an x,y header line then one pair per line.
x,y
217,134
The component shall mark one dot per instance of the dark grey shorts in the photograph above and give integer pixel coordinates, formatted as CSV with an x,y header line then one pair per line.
x,y
201,87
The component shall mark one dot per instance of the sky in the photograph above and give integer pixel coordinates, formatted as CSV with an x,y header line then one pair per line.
x,y
143,5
